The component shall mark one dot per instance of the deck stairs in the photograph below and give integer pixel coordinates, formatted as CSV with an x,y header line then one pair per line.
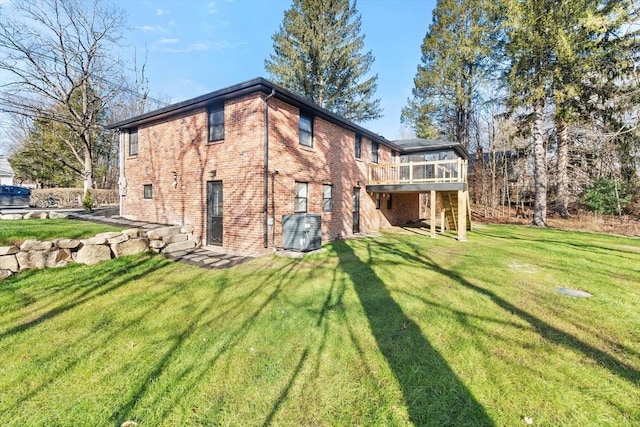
x,y
449,203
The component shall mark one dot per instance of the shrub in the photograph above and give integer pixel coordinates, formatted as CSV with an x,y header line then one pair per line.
x,y
71,197
87,201
602,197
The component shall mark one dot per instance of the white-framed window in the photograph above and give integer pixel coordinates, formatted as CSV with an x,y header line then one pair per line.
x,y
147,191
327,198
301,196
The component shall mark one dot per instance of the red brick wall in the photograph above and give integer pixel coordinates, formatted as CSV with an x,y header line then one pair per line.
x,y
180,144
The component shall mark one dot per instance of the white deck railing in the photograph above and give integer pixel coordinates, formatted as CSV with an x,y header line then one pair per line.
x,y
433,171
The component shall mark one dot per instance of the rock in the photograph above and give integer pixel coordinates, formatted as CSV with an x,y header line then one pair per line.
x,y
8,250
9,262
174,238
38,259
12,216
57,215
5,273
109,234
23,260
35,215
67,243
159,233
35,245
130,247
179,246
186,229
118,239
156,244
93,254
132,233
57,258
94,241
195,237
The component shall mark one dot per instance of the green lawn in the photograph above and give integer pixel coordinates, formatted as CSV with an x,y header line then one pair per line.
x,y
17,231
397,330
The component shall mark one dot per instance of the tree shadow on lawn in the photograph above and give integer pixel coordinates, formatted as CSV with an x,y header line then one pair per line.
x,y
87,286
434,395
209,313
544,329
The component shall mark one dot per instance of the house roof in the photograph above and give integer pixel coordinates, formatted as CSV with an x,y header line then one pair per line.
x,y
256,85
418,145
5,167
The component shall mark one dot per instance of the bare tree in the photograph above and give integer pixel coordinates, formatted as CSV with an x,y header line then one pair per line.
x,y
59,55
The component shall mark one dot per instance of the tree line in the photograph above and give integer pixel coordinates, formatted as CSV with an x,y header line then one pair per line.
x,y
543,93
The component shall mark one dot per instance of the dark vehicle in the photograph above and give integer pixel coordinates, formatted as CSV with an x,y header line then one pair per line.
x,y
11,195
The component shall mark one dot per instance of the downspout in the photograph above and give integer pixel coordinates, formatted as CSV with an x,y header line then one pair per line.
x,y
122,180
265,207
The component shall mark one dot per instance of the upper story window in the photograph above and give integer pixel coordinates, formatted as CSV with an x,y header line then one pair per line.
x,y
375,152
216,123
306,130
133,142
358,146
327,198
302,194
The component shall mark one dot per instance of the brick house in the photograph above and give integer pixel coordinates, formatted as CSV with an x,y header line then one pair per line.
x,y
235,163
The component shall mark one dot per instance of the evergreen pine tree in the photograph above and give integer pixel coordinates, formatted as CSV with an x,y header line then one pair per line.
x,y
317,54
455,54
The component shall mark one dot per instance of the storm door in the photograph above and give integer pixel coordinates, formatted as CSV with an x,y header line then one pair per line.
x,y
214,213
356,209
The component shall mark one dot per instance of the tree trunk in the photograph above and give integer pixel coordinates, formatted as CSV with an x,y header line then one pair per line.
x,y
88,170
562,189
540,170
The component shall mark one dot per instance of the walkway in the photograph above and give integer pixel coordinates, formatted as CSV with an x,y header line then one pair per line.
x,y
205,257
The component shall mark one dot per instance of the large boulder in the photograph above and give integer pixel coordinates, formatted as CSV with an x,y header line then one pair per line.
x,y
57,215
8,250
121,237
35,215
162,232
97,240
23,260
132,233
179,246
38,259
130,247
93,254
175,238
109,234
9,262
66,243
5,273
58,258
35,245
11,216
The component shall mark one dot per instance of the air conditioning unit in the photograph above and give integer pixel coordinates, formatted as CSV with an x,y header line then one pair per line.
x,y
301,232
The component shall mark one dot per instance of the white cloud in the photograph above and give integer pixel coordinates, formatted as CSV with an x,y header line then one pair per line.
x,y
161,12
146,28
168,41
211,7
195,47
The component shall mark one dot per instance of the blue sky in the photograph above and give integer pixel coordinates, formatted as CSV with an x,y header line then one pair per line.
x,y
195,47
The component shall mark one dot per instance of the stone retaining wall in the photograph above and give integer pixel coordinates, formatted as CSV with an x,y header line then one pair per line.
x,y
36,254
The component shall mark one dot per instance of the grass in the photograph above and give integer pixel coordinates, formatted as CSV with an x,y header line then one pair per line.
x,y
17,231
397,330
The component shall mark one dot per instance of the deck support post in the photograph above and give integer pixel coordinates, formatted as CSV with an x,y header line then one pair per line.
x,y
462,215
432,206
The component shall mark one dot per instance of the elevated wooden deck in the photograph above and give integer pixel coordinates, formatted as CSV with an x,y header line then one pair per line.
x,y
445,180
